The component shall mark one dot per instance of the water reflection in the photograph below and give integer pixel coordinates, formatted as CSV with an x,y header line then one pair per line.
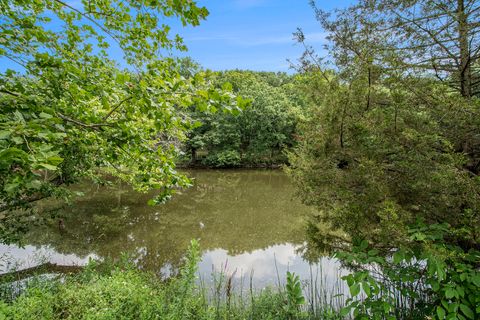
x,y
247,219
268,266
16,258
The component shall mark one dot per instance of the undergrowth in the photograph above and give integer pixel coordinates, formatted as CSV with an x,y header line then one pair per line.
x,y
123,292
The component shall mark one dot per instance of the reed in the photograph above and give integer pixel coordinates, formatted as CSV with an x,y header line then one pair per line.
x,y
122,291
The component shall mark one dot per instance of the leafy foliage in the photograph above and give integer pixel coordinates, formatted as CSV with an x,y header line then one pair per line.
x,y
383,148
426,278
437,39
72,112
261,133
373,172
389,158
294,292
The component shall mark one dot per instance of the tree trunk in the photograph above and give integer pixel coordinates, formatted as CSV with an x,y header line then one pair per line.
x,y
193,154
465,72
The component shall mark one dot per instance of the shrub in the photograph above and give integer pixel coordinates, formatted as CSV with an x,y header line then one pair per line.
x,y
223,159
428,279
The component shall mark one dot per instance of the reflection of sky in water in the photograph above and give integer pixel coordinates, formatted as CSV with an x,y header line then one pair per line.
x,y
263,265
13,257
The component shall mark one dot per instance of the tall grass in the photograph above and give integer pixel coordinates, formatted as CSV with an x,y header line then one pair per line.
x,y
122,291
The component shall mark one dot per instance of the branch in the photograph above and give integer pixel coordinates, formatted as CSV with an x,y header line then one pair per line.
x,y
56,181
9,92
15,61
19,202
86,16
432,36
309,51
40,269
116,107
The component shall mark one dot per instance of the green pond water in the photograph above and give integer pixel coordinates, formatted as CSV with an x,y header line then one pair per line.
x,y
246,221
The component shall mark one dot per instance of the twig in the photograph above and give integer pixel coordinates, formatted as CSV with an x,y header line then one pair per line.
x,y
116,107
94,126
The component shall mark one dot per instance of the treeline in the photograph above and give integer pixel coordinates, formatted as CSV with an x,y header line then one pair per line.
x,y
260,134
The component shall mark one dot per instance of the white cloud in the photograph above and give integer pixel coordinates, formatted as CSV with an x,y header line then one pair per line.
x,y
30,256
261,261
270,263
247,40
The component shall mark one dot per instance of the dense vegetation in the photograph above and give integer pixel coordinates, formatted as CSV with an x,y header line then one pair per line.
x,y
257,136
390,154
382,138
71,110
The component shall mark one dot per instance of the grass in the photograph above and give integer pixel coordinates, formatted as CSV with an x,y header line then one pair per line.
x,y
124,292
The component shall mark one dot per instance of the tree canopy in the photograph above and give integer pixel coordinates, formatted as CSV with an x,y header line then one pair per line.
x,y
261,133
383,142
437,38
390,154
71,111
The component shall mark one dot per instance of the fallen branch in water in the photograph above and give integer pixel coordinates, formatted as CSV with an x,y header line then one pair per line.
x,y
38,270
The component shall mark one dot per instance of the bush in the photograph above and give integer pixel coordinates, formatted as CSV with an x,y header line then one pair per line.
x,y
223,159
426,280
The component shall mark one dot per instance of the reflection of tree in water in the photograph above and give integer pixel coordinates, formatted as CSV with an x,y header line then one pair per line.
x,y
239,211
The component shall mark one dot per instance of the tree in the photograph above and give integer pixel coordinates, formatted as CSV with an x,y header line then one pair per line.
x,y
72,112
441,38
261,133
390,156
384,147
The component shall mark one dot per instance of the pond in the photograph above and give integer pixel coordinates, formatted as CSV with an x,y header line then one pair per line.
x,y
248,223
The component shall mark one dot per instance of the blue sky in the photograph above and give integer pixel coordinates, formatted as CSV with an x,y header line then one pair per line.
x,y
254,34
245,34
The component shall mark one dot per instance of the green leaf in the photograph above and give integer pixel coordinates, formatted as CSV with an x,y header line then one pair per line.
x,y
441,271
4,134
345,311
227,86
441,313
47,166
386,307
398,257
11,187
355,289
45,115
18,140
476,280
450,293
363,245
55,160
366,288
467,311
